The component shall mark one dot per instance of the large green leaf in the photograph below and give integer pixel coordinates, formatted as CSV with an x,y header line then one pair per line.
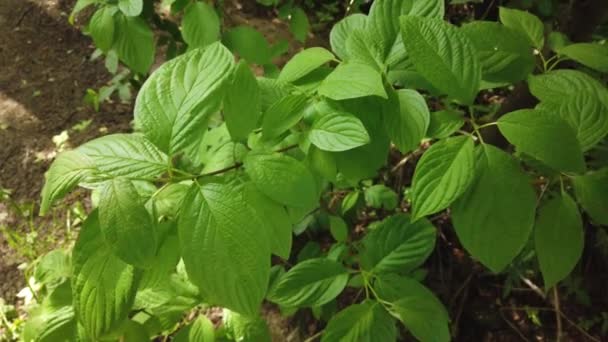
x,y
275,218
101,28
69,169
545,137
175,103
342,30
304,63
125,223
221,245
592,193
443,55
200,25
555,86
362,48
444,172
134,43
428,8
283,114
310,283
246,328
398,245
558,238
248,43
201,330
282,178
299,24
242,103
131,8
337,132
494,218
125,155
383,23
592,55
444,123
415,306
526,23
364,322
352,80
408,123
103,286
505,54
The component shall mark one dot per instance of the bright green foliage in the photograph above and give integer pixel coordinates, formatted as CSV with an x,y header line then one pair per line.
x,y
200,330
304,63
592,55
282,115
352,80
443,55
443,173
494,218
444,123
134,43
201,25
101,28
242,113
342,30
243,328
525,23
337,132
380,196
558,238
409,122
249,44
367,322
592,193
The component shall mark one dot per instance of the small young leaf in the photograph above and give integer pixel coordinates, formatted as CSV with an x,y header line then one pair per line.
x,y
245,328
408,123
545,137
304,63
444,172
383,23
201,330
380,196
101,28
398,245
282,178
558,238
342,30
337,132
443,55
310,283
338,228
200,25
592,55
131,8
526,23
248,43
352,80
444,123
592,193
365,322
125,223
242,112
283,115
299,24
134,43
494,218
103,286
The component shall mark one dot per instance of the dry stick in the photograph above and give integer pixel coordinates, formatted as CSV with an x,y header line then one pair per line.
x,y
514,327
558,318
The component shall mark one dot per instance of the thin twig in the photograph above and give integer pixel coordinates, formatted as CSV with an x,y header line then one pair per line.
x,y
558,318
514,327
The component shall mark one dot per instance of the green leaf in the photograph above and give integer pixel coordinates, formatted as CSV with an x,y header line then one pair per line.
x,y
428,8
125,223
78,7
303,63
49,324
135,332
201,330
134,43
341,31
592,55
352,80
310,283
175,103
125,155
248,43
275,219
383,23
526,23
323,163
337,132
131,8
272,90
244,328
364,322
398,245
69,169
408,123
380,196
299,24
338,228
444,123
220,243
242,112
558,238
363,49
103,286
282,178
585,113
101,28
592,193
494,218
443,55
200,25
283,115
415,306
555,86
444,172
505,54
544,137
